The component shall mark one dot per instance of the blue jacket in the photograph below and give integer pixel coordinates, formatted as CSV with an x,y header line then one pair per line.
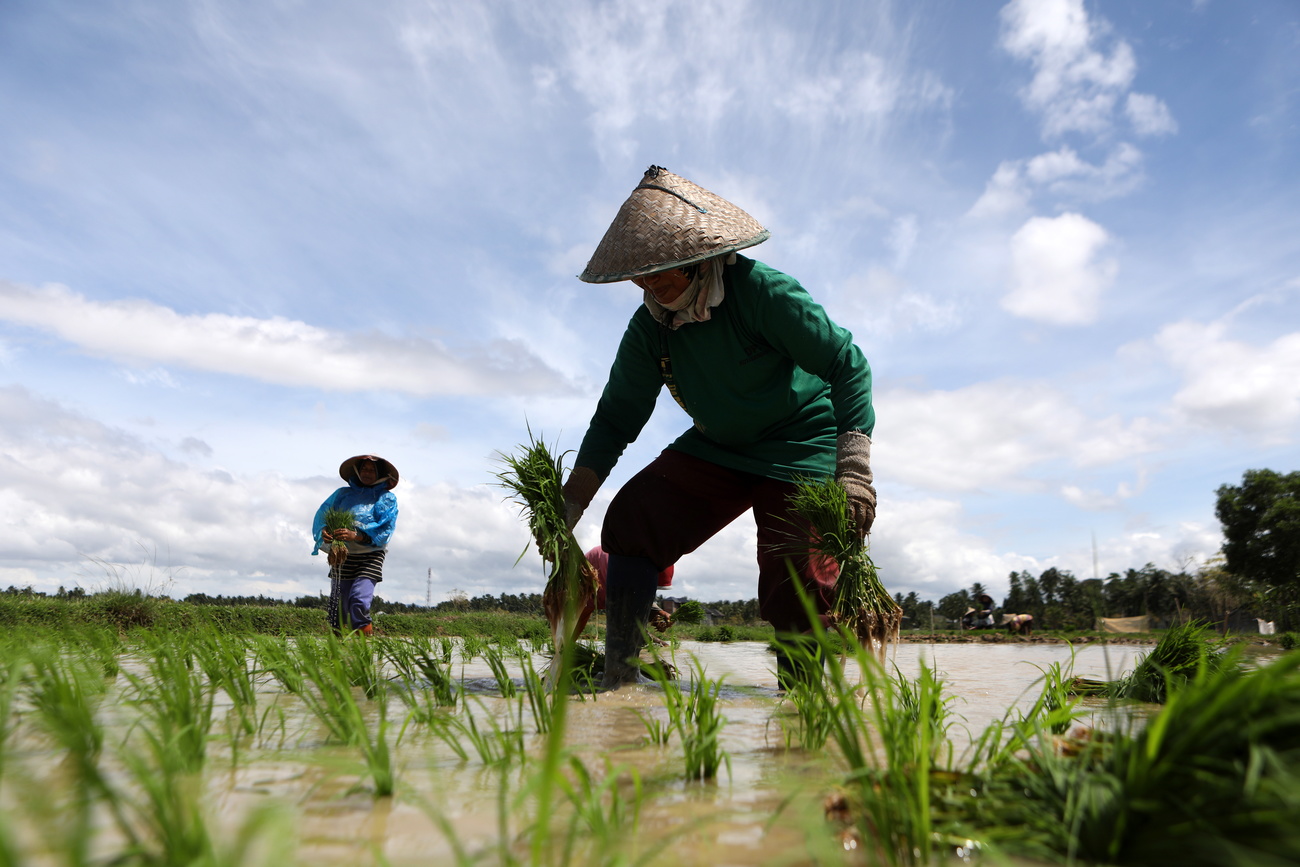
x,y
375,509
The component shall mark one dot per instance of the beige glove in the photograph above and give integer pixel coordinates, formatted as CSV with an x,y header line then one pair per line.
x,y
853,472
579,490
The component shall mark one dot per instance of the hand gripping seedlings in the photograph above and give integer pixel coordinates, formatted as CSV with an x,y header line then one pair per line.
x,y
534,480
335,520
862,604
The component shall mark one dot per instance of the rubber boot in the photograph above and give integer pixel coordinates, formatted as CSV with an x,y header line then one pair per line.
x,y
799,662
367,630
630,587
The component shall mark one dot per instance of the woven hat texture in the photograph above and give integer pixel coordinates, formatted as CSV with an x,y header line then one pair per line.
x,y
669,222
348,469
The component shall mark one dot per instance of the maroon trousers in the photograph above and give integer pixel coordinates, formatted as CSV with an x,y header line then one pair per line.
x,y
678,502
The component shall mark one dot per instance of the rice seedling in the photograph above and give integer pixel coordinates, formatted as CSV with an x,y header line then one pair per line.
x,y
1206,781
689,611
812,723
332,668
658,731
177,701
105,646
862,605
65,692
701,741
363,663
225,662
275,657
13,665
330,697
892,736
534,479
604,813
1183,651
495,660
440,681
426,683
541,701
1057,706
693,712
335,520
473,646
496,745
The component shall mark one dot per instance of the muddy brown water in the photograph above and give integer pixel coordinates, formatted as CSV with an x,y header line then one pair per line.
x,y
764,810
761,812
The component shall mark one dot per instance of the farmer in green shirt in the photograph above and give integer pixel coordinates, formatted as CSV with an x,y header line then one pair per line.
x,y
775,390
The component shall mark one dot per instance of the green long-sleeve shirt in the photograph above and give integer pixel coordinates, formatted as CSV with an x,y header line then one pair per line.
x,y
769,381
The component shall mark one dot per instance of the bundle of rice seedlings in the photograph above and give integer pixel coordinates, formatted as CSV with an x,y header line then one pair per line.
x,y
338,519
534,479
1212,778
689,611
1183,651
862,604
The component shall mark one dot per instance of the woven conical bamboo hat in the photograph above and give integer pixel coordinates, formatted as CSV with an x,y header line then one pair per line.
x,y
348,469
669,222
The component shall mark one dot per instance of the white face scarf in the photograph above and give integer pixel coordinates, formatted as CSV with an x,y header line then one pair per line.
x,y
705,292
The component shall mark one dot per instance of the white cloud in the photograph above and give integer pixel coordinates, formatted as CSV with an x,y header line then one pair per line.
x,y
1232,385
921,546
882,304
1006,193
1174,547
671,62
1096,501
1057,270
1149,115
902,239
86,501
1075,86
277,350
996,436
1061,173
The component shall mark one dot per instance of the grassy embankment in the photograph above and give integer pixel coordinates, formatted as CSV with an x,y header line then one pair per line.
x,y
128,610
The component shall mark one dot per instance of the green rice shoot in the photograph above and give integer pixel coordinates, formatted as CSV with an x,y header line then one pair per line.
x,y
534,478
862,605
1183,651
689,611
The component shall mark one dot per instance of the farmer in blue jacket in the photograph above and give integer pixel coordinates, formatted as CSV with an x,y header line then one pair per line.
x,y
369,497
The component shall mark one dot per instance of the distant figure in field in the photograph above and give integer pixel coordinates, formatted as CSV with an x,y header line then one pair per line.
x,y
1020,624
659,618
369,497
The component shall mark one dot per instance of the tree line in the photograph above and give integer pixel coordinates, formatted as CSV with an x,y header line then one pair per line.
x,y
1059,600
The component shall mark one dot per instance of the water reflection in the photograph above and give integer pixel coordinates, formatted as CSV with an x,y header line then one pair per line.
x,y
772,796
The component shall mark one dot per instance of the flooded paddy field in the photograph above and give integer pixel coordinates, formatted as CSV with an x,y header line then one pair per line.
x,y
323,752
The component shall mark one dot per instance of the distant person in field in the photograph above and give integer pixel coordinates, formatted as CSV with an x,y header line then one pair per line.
x,y
659,618
1020,624
369,497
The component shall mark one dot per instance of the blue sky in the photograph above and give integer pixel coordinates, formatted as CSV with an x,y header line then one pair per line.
x,y
241,241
